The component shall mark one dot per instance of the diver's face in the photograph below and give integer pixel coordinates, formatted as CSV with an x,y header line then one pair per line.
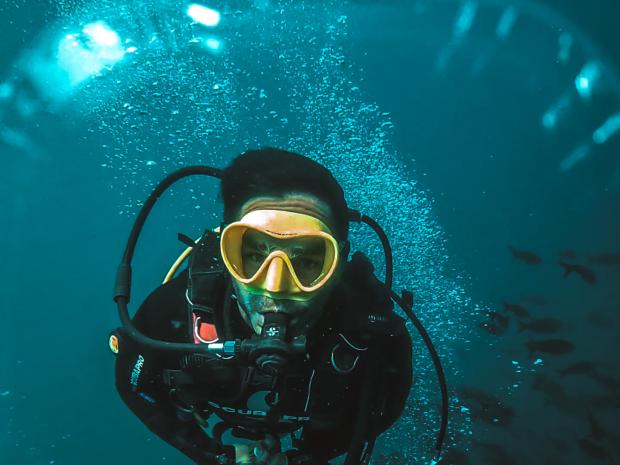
x,y
303,314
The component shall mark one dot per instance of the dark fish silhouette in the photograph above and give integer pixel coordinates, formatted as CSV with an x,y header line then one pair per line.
x,y
592,449
552,389
537,300
609,382
518,310
550,346
492,328
600,319
567,253
610,259
524,256
499,319
578,368
542,325
555,395
584,273
596,430
486,407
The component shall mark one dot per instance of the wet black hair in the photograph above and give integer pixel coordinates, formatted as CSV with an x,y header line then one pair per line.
x,y
274,172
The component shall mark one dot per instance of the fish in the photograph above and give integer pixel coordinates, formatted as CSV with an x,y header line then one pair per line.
x,y
475,394
550,346
485,407
567,253
609,259
498,318
592,449
607,381
518,310
542,325
578,368
554,394
552,389
492,328
584,273
524,256
600,319
596,430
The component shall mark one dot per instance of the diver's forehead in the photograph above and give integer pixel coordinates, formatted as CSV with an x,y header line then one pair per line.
x,y
299,202
253,239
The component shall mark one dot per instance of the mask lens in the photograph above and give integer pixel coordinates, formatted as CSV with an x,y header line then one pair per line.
x,y
307,254
308,259
254,251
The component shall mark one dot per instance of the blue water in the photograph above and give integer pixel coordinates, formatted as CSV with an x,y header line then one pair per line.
x,y
461,127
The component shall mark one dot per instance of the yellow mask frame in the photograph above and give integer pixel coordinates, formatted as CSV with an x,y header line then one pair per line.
x,y
276,276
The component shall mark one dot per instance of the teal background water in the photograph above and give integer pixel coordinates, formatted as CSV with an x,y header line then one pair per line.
x,y
432,116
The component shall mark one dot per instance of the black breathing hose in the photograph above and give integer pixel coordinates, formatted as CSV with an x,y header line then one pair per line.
x,y
438,368
357,216
122,287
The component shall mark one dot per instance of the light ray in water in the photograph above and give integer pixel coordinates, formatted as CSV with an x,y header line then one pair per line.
x,y
587,78
506,22
552,116
465,20
607,129
565,43
84,55
213,43
101,34
574,157
204,15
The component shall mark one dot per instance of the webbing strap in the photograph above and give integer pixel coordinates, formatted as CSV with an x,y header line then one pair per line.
x,y
205,276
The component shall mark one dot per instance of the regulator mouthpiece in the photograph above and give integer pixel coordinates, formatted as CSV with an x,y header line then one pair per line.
x,y
273,350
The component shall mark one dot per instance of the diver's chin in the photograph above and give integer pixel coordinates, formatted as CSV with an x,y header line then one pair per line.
x,y
293,326
260,321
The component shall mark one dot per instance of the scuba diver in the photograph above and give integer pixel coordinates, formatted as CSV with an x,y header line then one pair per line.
x,y
271,347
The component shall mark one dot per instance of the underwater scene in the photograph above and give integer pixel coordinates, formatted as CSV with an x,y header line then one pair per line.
x,y
477,145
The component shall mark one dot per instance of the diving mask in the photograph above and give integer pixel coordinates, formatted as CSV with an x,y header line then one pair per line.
x,y
279,253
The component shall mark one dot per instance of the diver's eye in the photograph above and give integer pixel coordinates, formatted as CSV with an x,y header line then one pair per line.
x,y
254,257
308,264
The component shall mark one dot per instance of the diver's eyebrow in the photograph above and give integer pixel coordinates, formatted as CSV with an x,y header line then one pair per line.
x,y
258,246
251,241
312,249
315,249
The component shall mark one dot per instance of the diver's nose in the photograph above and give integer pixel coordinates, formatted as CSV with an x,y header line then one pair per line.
x,y
275,280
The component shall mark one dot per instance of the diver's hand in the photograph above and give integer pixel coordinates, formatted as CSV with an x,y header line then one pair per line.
x,y
265,452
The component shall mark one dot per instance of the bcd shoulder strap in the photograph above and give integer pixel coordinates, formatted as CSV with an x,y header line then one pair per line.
x,y
206,276
205,287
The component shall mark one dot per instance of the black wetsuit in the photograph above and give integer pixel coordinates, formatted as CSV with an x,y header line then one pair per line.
x,y
316,406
